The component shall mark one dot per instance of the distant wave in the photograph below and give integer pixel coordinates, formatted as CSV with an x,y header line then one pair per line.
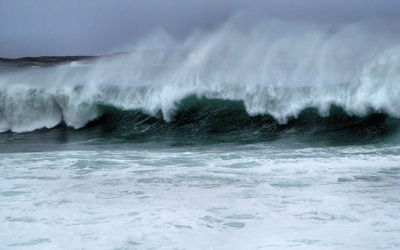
x,y
272,72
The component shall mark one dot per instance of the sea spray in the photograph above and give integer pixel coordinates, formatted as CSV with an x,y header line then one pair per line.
x,y
274,68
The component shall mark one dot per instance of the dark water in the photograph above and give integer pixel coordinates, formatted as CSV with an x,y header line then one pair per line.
x,y
202,122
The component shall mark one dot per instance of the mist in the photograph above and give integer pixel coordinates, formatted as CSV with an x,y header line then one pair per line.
x,y
49,28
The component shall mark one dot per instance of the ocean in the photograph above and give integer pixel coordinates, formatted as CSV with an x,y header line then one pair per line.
x,y
258,136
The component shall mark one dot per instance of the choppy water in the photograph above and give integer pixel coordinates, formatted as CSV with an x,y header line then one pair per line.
x,y
226,197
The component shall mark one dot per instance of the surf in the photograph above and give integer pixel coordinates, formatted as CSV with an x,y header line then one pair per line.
x,y
269,68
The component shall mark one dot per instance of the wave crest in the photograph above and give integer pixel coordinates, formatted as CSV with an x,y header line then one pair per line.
x,y
273,68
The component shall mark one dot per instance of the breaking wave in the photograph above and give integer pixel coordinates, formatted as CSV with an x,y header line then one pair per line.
x,y
245,74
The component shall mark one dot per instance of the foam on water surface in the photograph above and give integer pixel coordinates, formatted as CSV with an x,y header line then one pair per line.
x,y
231,197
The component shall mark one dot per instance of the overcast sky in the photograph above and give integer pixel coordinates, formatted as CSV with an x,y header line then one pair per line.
x,y
79,27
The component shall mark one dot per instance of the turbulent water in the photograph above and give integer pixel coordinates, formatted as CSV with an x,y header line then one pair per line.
x,y
254,135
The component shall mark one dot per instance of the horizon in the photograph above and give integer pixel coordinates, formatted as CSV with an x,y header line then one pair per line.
x,y
75,28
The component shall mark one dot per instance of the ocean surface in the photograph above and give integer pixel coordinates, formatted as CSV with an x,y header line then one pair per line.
x,y
257,136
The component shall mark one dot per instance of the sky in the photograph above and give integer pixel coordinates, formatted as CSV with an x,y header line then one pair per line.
x,y
79,27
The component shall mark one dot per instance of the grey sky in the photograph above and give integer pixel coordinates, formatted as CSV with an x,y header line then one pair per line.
x,y
77,27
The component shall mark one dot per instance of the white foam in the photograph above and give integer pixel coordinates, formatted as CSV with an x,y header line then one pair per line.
x,y
204,199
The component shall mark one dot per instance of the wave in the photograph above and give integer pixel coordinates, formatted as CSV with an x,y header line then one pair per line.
x,y
213,120
267,73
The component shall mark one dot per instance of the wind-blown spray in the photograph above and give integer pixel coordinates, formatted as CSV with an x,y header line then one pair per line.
x,y
274,68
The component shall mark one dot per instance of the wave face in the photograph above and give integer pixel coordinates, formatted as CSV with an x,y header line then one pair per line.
x,y
245,75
